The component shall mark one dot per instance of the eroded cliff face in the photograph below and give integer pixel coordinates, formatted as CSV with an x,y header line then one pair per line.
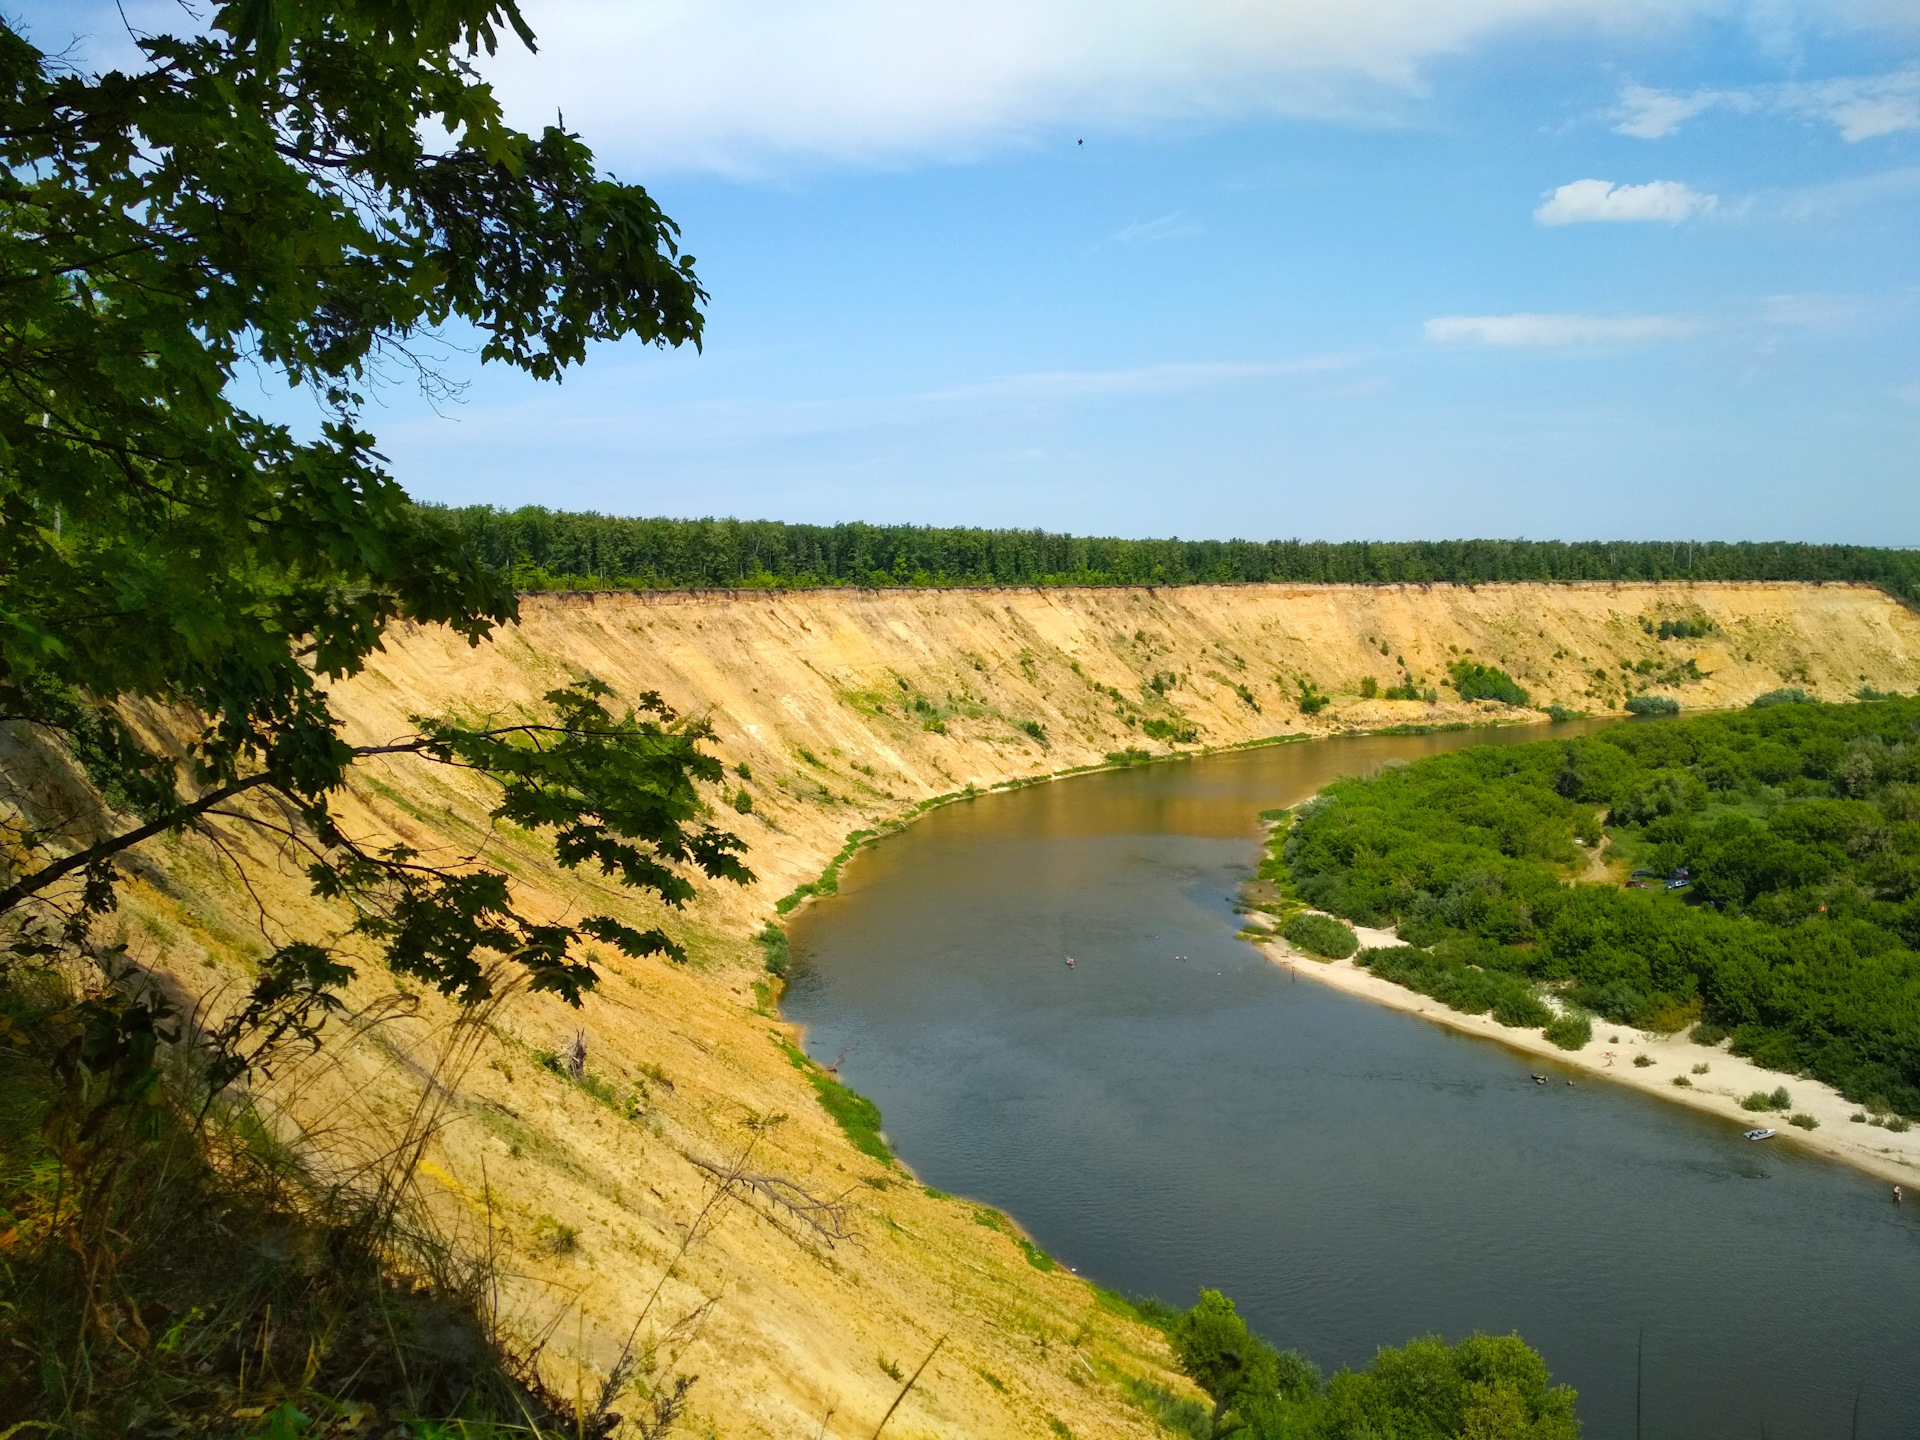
x,y
849,708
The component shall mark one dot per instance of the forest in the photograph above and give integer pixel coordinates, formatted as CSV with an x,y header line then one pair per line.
x,y
1775,898
544,549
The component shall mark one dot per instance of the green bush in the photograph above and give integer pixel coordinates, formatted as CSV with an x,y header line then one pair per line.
x,y
1311,701
1805,1122
742,801
1177,731
1642,1061
1792,695
1762,1100
1320,935
1473,681
1682,1082
773,946
1653,705
1708,1035
1570,1032
1369,688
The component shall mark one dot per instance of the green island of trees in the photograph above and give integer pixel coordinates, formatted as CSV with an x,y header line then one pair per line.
x,y
1488,1387
1775,897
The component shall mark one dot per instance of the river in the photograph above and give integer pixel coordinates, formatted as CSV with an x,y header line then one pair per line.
x,y
1353,1176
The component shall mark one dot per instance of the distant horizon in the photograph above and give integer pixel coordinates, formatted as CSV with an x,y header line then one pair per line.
x,y
1245,539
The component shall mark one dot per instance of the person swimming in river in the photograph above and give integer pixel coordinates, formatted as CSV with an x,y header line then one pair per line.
x,y
1069,962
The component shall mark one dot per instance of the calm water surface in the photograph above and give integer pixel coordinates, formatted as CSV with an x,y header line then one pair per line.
x,y
1353,1176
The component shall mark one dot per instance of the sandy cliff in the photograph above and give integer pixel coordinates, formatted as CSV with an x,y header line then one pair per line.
x,y
848,708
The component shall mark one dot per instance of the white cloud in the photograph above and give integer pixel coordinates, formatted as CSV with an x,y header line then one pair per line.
x,y
1161,227
1650,114
1860,107
748,86
1592,201
1546,331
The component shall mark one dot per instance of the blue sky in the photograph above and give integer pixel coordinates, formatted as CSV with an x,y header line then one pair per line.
x,y
1324,268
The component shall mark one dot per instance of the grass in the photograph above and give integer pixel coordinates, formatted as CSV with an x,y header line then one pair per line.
x,y
856,1115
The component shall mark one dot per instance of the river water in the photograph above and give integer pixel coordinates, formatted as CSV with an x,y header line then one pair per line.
x,y
1351,1175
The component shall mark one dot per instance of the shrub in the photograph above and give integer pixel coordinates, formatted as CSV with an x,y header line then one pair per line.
x,y
743,770
1178,732
1521,1009
1899,1124
1685,629
1311,701
773,945
1474,681
1653,705
1701,1068
1859,1117
1320,935
1642,1061
1570,1032
1792,695
1708,1035
1682,1082
1761,1100
743,802
1557,711
1033,728
1369,688
1805,1122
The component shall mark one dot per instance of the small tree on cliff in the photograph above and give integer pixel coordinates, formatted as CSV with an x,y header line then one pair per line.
x,y
312,187
1222,1356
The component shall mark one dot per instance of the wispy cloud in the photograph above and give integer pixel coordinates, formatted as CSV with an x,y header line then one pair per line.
x,y
1161,227
1860,107
1532,331
1816,202
1586,202
1136,380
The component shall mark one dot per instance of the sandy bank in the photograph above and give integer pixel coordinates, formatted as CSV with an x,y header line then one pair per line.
x,y
1611,1053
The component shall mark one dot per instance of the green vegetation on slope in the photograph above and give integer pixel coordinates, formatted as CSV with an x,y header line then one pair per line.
x,y
1488,1387
549,549
1799,829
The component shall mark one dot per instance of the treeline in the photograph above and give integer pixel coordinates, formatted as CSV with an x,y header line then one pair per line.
x,y
553,549
1791,831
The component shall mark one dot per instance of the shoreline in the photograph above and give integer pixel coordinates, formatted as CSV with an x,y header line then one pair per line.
x,y
1882,1153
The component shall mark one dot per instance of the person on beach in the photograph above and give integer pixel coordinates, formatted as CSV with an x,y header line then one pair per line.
x,y
1896,1194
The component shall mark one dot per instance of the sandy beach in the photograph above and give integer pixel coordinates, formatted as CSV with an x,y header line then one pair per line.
x,y
1610,1057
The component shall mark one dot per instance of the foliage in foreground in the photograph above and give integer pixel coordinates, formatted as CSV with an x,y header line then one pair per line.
x,y
168,1273
1488,1387
305,189
1794,929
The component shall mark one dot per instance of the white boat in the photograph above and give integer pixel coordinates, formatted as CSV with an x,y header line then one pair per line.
x,y
1759,1134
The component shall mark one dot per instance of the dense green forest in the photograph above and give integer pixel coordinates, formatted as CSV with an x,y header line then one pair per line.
x,y
549,549
1794,930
